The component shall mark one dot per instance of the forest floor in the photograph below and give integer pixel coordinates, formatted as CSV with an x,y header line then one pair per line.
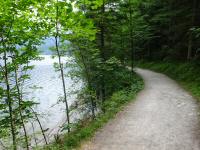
x,y
163,117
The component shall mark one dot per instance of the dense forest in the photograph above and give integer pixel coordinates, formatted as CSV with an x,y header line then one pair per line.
x,y
103,37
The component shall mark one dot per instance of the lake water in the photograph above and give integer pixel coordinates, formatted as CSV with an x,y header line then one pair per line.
x,y
52,113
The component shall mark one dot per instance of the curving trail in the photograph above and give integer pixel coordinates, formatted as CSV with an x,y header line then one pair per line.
x,y
163,117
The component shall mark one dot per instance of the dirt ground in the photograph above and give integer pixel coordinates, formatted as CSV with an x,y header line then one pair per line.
x,y
163,117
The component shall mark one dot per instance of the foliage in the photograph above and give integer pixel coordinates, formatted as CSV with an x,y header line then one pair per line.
x,y
18,47
172,25
101,37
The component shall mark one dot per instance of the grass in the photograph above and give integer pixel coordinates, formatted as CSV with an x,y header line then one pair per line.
x,y
187,74
85,130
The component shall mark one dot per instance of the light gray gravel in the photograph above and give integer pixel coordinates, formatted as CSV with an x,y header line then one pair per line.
x,y
163,117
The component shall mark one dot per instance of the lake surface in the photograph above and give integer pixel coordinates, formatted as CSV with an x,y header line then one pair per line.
x,y
52,113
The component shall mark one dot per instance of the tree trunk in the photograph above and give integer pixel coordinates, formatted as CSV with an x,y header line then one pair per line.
x,y
189,55
20,105
61,70
131,36
9,102
35,139
41,128
122,49
36,117
89,84
190,43
102,30
3,146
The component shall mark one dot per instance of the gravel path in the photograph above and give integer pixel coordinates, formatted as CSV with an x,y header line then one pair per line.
x,y
163,117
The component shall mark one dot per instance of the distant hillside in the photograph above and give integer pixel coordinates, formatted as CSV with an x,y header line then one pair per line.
x,y
47,44
44,48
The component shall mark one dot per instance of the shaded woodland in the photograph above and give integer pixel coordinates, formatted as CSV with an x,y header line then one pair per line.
x,y
103,37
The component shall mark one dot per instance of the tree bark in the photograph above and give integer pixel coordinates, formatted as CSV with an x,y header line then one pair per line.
x,y
41,128
89,85
102,30
20,105
35,139
9,102
190,43
61,70
131,36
